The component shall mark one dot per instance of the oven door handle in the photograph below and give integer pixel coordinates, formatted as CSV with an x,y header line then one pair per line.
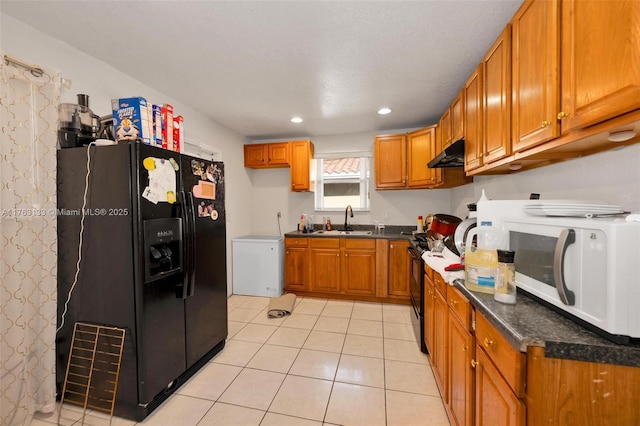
x,y
567,237
412,253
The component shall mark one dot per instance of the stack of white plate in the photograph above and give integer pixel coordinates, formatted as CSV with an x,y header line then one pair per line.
x,y
576,208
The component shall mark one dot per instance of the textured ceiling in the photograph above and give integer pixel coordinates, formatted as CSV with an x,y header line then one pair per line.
x,y
251,66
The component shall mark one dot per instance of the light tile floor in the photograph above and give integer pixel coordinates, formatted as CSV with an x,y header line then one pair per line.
x,y
331,362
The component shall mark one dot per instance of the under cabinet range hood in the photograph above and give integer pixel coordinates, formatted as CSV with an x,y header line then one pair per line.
x,y
452,156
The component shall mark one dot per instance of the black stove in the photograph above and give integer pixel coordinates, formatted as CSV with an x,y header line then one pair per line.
x,y
416,288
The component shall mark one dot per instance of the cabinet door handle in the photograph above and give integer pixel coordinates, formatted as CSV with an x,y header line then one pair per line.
x,y
562,115
337,255
487,342
464,348
544,124
474,364
453,302
287,251
346,255
391,246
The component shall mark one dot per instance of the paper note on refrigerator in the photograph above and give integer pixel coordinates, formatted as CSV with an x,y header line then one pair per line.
x,y
162,182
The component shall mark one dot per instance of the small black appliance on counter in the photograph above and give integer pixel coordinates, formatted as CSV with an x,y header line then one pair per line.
x,y
77,124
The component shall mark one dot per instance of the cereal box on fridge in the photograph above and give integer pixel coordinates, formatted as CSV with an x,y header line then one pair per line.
x,y
167,127
156,115
132,119
178,133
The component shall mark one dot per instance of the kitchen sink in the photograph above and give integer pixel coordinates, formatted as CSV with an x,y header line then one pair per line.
x,y
328,233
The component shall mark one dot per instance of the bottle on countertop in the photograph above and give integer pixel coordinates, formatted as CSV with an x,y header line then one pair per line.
x,y
302,226
420,228
505,282
481,262
329,227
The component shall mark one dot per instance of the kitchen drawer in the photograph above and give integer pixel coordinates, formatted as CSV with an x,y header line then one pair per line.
x,y
326,243
460,306
509,361
440,284
364,243
296,242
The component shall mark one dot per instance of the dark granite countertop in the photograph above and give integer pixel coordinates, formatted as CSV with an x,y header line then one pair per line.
x,y
530,323
391,232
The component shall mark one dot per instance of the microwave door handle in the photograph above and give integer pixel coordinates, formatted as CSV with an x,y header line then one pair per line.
x,y
567,237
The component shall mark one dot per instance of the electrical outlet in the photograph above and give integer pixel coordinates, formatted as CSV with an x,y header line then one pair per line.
x,y
279,215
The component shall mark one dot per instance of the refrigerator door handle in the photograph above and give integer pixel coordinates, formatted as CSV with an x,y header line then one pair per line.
x,y
186,246
192,242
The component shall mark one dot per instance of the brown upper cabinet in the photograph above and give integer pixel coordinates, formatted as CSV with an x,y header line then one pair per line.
x,y
400,162
487,106
535,94
267,155
451,124
444,126
600,65
390,161
421,148
575,74
474,118
295,154
303,177
497,99
457,118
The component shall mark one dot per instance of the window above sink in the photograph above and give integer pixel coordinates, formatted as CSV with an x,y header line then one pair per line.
x,y
342,179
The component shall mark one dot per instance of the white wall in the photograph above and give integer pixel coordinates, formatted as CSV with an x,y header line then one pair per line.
x,y
103,82
395,207
612,176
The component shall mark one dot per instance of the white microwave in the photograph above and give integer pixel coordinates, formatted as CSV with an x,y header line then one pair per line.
x,y
588,269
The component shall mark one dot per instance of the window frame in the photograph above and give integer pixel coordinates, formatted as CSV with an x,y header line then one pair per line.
x,y
363,178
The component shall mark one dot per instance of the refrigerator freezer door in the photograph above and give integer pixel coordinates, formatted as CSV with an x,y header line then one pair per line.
x,y
161,323
206,308
104,293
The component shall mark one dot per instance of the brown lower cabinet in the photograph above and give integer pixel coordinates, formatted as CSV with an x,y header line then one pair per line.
x,y
324,264
461,354
297,263
473,387
485,380
496,404
368,269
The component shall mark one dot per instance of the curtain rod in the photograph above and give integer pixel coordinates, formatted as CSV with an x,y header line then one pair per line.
x,y
35,70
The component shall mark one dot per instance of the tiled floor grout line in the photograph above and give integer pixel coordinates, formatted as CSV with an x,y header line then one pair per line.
x,y
341,355
333,380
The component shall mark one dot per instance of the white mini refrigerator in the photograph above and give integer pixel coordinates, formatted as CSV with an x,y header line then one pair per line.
x,y
258,265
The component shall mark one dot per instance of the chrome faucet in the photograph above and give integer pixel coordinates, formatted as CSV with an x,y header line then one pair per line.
x,y
346,224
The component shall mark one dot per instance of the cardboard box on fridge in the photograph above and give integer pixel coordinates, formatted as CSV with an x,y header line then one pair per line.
x,y
178,133
156,115
167,127
132,119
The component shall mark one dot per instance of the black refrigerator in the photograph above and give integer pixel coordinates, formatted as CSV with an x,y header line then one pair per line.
x,y
153,262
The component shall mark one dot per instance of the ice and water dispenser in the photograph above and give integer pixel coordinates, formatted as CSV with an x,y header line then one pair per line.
x,y
162,247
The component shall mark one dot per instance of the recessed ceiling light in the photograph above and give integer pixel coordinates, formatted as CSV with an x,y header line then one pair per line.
x,y
384,111
296,120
